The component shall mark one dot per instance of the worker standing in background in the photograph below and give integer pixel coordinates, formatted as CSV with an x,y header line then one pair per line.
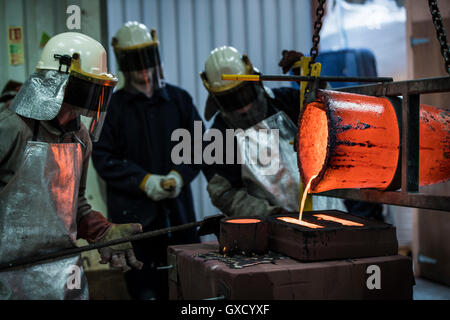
x,y
133,156
44,158
247,189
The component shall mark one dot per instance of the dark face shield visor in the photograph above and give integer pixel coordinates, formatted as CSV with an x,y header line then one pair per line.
x,y
238,97
248,116
89,97
143,58
139,58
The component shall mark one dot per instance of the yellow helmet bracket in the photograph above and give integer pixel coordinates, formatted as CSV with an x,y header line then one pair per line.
x,y
76,71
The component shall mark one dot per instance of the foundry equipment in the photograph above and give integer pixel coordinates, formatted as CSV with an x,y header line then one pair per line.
x,y
362,143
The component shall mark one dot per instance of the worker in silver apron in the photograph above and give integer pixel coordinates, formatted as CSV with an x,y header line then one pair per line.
x,y
269,180
44,156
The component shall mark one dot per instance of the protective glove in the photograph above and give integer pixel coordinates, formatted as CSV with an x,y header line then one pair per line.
x,y
175,182
94,227
237,201
154,188
289,59
121,255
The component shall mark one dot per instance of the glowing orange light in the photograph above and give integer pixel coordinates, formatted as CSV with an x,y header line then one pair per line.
x,y
244,221
300,222
353,144
305,192
338,220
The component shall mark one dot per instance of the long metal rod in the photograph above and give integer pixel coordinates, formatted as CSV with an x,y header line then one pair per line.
x,y
73,251
413,200
393,89
324,78
254,77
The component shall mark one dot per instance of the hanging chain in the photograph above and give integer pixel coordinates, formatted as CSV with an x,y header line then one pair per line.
x,y
440,32
317,27
320,11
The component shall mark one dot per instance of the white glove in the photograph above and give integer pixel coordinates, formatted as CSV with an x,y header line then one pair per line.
x,y
154,189
176,189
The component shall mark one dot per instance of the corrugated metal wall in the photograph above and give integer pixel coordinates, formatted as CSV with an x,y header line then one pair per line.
x,y
36,17
189,29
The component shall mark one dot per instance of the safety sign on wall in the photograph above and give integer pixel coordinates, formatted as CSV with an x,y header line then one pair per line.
x,y
15,45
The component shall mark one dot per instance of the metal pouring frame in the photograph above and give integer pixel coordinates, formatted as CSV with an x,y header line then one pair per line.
x,y
409,195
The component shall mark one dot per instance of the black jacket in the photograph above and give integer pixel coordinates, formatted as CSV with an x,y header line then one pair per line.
x,y
135,141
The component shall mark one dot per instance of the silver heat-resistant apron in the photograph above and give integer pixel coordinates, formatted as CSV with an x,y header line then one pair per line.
x,y
277,180
37,216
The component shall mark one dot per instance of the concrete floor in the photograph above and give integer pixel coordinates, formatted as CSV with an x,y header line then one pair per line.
x,y
428,290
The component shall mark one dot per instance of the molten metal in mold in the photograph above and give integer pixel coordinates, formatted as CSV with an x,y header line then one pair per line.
x,y
300,222
340,236
341,221
243,221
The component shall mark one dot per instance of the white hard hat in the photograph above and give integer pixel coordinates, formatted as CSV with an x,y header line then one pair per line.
x,y
133,34
224,60
227,94
75,67
91,52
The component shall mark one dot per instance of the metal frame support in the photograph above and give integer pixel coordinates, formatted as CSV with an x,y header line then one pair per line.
x,y
409,195
410,143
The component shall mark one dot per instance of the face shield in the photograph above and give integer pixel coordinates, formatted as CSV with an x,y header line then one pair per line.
x,y
142,63
89,95
243,106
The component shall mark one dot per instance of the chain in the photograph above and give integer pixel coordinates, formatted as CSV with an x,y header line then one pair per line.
x,y
320,11
317,27
440,32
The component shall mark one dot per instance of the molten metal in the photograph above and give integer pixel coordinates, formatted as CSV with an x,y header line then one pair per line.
x,y
300,222
341,221
243,221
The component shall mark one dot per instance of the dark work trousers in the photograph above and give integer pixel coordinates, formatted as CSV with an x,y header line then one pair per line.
x,y
151,283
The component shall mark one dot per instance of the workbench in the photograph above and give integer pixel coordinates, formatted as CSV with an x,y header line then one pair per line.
x,y
193,277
